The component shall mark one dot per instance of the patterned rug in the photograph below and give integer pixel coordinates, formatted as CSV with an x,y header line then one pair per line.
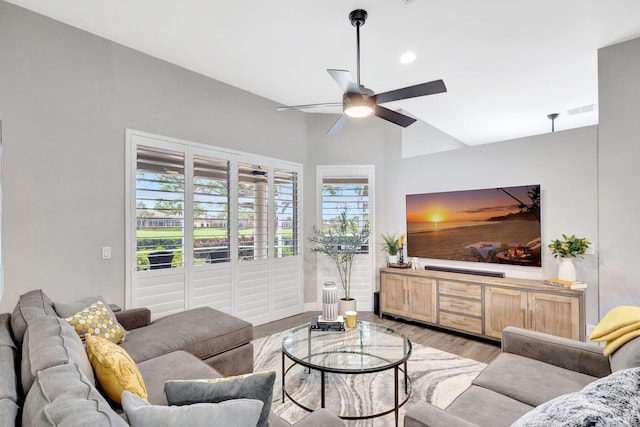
x,y
436,376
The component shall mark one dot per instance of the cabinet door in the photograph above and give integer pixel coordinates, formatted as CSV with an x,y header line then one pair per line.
x,y
502,308
554,314
392,294
421,299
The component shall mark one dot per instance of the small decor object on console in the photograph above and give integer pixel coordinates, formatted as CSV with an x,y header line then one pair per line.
x,y
330,301
400,250
390,246
565,249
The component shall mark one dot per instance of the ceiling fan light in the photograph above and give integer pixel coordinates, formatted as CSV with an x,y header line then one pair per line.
x,y
358,111
354,105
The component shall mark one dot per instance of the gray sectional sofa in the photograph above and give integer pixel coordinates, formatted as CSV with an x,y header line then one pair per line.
x,y
544,372
48,380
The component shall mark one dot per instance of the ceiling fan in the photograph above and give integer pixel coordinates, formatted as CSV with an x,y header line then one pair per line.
x,y
360,101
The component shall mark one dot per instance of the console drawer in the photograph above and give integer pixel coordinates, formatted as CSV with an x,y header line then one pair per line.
x,y
462,306
460,289
462,323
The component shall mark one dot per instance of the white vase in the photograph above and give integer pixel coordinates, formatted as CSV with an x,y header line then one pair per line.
x,y
329,301
346,305
566,269
393,259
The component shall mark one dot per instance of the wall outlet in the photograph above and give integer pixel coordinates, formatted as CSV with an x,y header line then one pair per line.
x,y
106,252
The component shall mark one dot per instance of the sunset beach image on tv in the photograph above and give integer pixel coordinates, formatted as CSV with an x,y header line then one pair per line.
x,y
496,225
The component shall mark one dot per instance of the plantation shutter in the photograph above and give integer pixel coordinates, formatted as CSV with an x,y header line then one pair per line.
x,y
285,200
351,194
210,210
159,208
253,195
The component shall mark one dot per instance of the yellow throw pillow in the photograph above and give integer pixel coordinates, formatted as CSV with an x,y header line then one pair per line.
x,y
114,368
616,318
96,320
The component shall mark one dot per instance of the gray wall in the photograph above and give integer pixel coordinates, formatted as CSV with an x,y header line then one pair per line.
x,y
619,174
569,199
67,97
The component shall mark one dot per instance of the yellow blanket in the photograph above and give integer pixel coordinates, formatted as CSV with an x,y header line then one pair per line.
x,y
617,327
624,316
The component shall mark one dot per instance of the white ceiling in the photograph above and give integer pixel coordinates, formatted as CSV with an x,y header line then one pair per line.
x,y
506,63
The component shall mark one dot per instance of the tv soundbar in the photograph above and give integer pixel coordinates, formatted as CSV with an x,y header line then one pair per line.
x,y
464,271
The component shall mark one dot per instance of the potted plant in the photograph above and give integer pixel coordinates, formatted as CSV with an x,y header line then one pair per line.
x,y
390,246
341,242
566,249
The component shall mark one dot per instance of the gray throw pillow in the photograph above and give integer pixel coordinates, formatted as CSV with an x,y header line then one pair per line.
x,y
612,401
627,356
258,385
237,413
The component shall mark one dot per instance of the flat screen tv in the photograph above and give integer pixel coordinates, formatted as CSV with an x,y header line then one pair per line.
x,y
494,225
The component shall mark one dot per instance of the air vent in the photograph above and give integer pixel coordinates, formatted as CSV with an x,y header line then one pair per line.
x,y
581,110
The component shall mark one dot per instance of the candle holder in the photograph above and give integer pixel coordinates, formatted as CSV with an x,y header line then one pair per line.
x,y
401,256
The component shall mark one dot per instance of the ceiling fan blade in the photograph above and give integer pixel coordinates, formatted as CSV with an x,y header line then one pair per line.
x,y
338,125
345,81
430,88
302,107
393,116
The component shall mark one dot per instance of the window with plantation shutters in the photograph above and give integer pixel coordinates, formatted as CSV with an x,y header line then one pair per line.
x,y
211,227
348,189
210,210
159,208
350,195
285,200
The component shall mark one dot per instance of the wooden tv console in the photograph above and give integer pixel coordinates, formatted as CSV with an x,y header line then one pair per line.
x,y
480,305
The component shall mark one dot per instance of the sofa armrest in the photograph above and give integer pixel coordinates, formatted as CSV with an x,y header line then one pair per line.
x,y
134,318
578,356
320,418
423,414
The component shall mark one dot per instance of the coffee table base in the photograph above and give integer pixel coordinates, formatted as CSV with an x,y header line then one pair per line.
x,y
397,403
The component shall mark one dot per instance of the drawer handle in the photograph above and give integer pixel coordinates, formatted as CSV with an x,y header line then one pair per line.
x,y
453,304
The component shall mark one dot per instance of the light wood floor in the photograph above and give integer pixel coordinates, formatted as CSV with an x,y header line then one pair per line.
x,y
475,349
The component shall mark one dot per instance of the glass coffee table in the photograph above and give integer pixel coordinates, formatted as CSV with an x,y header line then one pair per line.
x,y
366,349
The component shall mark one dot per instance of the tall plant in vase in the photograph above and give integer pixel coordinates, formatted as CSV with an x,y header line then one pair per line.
x,y
341,240
390,247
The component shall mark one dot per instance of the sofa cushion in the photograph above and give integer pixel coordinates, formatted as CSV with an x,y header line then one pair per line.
x,y
97,319
50,341
62,395
627,356
237,413
30,305
203,332
9,413
114,368
610,401
485,407
9,361
528,380
257,385
184,366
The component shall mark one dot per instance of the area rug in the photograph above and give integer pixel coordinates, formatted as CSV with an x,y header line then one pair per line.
x,y
436,376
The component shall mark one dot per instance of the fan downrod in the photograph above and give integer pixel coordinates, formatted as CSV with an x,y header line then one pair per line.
x,y
358,17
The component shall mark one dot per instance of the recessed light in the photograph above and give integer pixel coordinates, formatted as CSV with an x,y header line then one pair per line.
x,y
408,57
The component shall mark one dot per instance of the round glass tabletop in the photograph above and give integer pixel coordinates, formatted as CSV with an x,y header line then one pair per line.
x,y
368,347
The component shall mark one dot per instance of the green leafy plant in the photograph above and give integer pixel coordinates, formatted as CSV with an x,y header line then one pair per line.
x,y
569,246
340,242
390,244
